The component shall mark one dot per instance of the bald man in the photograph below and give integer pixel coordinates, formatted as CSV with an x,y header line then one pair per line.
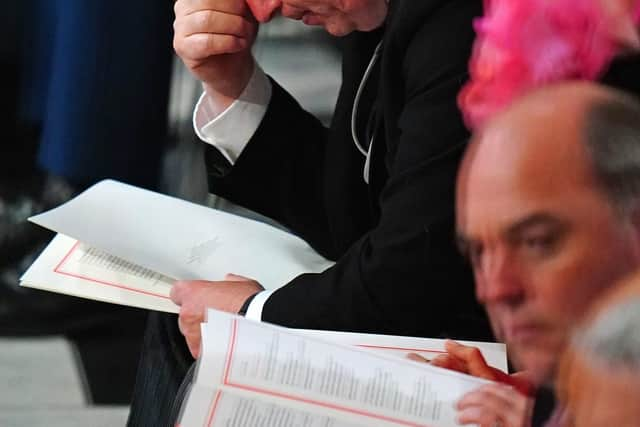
x,y
548,200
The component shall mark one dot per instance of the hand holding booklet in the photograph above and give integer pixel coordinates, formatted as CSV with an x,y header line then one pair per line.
x,y
125,245
253,374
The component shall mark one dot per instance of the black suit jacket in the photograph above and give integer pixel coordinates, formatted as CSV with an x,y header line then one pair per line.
x,y
397,268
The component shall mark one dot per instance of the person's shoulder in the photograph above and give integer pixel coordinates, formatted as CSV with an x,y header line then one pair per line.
x,y
412,14
430,22
430,33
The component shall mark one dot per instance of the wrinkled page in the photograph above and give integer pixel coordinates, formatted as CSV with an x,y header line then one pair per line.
x,y
180,239
274,364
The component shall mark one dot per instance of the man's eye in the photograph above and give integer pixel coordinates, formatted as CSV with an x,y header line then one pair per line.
x,y
540,245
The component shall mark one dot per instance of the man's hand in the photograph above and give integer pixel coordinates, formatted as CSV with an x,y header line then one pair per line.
x,y
214,38
508,403
495,405
195,296
469,360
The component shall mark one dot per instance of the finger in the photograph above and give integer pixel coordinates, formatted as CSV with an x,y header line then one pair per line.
x,y
479,417
470,355
178,291
446,361
474,360
212,22
236,7
187,330
499,400
523,383
198,47
236,278
187,323
513,406
417,358
194,346
191,332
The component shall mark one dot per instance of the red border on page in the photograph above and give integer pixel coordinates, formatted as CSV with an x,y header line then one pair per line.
x,y
227,365
58,269
418,350
226,382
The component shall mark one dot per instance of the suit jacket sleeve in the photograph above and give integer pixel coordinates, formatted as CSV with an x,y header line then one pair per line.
x,y
404,276
279,171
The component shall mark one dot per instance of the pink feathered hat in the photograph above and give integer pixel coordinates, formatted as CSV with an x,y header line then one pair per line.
x,y
523,44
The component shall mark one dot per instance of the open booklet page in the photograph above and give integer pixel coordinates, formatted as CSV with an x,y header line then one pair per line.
x,y
134,242
70,267
495,354
255,374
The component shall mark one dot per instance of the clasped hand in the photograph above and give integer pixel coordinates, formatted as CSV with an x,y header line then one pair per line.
x,y
214,38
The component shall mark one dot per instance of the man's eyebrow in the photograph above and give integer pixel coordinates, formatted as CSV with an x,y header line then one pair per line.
x,y
464,241
536,219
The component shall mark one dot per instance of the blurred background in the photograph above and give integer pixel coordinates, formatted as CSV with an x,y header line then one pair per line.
x,y
92,90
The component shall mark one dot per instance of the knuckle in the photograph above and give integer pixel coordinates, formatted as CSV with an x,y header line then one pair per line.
x,y
190,316
178,285
186,316
214,44
205,20
201,46
229,44
178,289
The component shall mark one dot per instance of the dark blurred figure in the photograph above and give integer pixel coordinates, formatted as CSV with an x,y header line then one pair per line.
x,y
86,86
599,379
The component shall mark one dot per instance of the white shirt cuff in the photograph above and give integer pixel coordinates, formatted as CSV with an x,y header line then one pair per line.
x,y
254,311
231,130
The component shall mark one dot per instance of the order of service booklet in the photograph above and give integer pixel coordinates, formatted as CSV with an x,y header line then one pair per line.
x,y
121,244
253,374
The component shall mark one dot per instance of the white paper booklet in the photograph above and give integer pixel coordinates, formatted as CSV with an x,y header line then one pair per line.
x,y
253,374
122,244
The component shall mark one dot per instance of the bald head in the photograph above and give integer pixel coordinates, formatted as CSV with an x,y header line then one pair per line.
x,y
536,218
592,129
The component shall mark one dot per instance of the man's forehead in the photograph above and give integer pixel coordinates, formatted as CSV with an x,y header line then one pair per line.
x,y
552,117
533,155
526,193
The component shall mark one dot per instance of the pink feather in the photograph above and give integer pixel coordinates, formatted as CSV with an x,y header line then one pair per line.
x,y
523,44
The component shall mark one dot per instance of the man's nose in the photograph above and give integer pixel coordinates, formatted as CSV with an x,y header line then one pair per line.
x,y
499,280
263,10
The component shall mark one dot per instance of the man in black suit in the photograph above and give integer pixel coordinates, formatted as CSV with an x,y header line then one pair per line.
x,y
382,208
